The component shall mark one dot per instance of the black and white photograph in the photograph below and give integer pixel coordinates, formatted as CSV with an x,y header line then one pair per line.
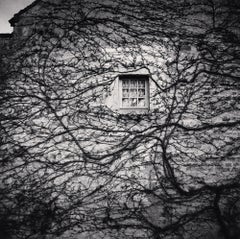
x,y
119,119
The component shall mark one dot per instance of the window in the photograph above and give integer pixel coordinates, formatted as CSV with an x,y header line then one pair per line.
x,y
134,91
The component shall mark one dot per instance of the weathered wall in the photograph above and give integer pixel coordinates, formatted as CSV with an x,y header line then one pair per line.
x,y
67,99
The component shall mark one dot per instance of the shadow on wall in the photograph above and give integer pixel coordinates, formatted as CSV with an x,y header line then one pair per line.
x,y
4,232
234,233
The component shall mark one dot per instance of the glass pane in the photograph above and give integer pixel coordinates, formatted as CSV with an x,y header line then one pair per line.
x,y
133,84
133,93
141,103
141,93
125,102
133,102
141,84
125,84
125,93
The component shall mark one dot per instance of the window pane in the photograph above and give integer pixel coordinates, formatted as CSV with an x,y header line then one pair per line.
x,y
141,103
141,84
133,102
125,84
133,84
125,93
133,93
125,102
141,93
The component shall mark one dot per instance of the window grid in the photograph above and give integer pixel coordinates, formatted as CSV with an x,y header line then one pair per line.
x,y
134,92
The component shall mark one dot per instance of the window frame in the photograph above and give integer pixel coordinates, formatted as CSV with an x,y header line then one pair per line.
x,y
134,77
